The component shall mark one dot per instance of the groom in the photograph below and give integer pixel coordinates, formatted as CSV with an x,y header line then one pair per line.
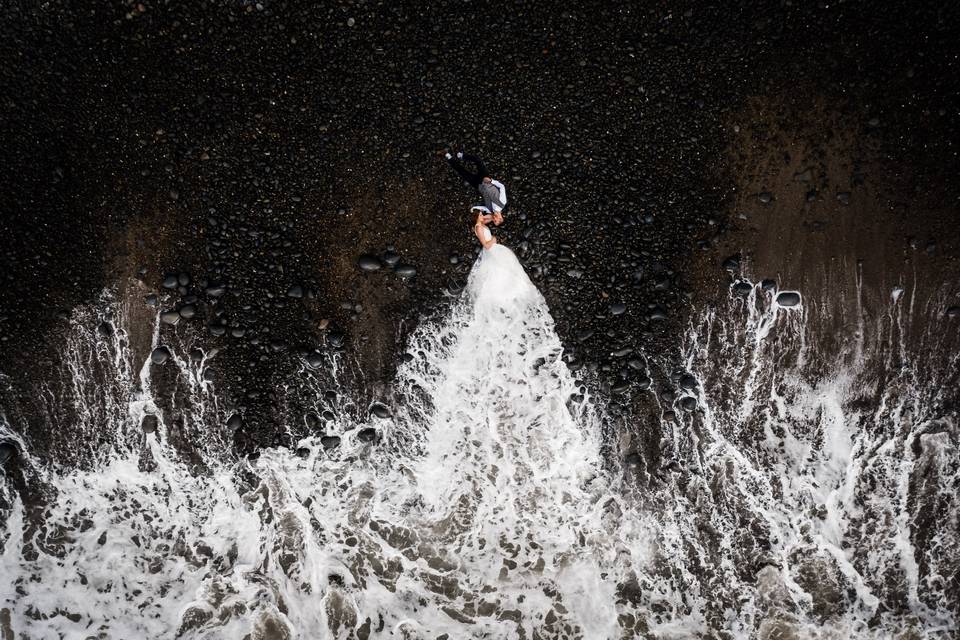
x,y
492,191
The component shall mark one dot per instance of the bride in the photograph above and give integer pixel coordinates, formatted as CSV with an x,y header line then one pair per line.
x,y
498,277
481,230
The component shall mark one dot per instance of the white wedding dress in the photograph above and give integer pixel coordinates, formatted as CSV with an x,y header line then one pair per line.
x,y
499,284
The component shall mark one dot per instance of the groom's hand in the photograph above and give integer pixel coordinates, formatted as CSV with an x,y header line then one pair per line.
x,y
497,218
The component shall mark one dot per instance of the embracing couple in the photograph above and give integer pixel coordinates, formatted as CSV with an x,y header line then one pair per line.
x,y
493,193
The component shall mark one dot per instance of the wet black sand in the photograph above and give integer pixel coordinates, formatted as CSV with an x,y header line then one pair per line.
x,y
265,147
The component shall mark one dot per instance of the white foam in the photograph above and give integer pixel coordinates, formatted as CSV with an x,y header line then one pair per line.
x,y
484,509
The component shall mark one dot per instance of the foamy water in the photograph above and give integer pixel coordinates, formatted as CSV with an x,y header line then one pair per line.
x,y
481,506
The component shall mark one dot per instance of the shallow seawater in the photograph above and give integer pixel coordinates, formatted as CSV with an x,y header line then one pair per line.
x,y
790,505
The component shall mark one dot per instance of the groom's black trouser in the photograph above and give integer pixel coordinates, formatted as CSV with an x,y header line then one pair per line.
x,y
472,178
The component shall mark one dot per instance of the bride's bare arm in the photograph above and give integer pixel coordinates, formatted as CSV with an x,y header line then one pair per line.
x,y
478,231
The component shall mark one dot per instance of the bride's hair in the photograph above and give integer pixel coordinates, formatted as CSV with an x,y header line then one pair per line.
x,y
475,216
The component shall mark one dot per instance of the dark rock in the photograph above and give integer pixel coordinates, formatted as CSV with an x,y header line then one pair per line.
x,y
105,329
159,355
170,316
217,329
765,197
633,459
392,258
367,262
151,300
380,411
188,311
643,383
688,403
296,291
617,308
330,442
732,264
303,452
215,290
768,284
788,298
672,466
314,360
620,387
369,434
183,279
8,451
657,314
196,355
584,335
149,423
405,271
843,197
312,420
235,422
688,382
953,312
170,281
636,364
742,288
